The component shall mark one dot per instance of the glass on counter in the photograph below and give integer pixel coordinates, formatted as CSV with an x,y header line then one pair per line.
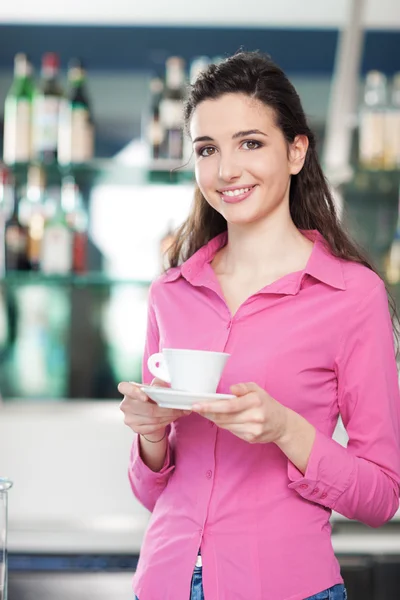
x,y
5,485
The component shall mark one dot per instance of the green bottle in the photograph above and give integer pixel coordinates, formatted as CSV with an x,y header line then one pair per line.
x,y
46,111
76,130
17,146
57,243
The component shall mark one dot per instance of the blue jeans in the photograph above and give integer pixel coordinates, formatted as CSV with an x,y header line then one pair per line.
x,y
196,587
337,592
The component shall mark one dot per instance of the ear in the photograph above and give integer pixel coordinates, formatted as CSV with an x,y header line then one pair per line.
x,y
297,154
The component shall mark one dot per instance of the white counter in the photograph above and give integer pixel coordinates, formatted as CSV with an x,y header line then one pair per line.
x,y
71,492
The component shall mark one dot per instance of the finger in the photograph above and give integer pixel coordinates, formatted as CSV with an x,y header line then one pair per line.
x,y
238,419
132,390
148,410
234,405
241,389
160,382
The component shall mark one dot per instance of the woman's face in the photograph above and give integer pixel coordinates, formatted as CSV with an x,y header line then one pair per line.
x,y
243,163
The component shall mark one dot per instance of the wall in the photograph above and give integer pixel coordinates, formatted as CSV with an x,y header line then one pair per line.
x,y
69,466
269,13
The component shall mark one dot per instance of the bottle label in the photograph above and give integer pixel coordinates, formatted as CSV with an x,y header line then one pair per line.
x,y
372,138
155,133
15,240
45,123
17,131
79,252
175,78
56,252
171,113
35,237
175,144
393,264
2,246
76,135
392,139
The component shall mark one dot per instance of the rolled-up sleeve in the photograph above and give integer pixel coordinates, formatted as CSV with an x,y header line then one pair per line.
x,y
146,484
361,481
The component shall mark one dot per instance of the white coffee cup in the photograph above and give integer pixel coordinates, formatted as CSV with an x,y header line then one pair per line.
x,y
189,370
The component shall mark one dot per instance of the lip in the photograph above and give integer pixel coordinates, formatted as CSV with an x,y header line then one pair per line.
x,y
235,199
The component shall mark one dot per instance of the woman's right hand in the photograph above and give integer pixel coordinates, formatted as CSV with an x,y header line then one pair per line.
x,y
143,415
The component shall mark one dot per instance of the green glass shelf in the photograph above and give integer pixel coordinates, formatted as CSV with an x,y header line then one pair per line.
x,y
373,182
21,278
111,171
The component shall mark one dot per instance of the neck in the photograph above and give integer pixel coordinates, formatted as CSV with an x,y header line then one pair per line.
x,y
266,246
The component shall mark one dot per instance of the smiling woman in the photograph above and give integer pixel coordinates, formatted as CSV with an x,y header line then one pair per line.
x,y
242,488
254,164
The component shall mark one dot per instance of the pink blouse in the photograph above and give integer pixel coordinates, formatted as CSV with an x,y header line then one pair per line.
x,y
319,341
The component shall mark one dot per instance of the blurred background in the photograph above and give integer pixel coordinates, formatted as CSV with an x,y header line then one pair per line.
x,y
95,174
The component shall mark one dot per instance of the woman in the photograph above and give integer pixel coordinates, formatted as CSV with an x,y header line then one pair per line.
x,y
263,271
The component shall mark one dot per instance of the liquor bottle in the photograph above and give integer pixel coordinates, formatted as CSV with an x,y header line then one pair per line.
x,y
32,213
17,143
372,122
15,237
198,64
155,131
393,257
171,108
165,243
6,208
77,219
392,127
7,191
56,248
76,129
46,111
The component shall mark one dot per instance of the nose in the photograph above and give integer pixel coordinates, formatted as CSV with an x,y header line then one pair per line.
x,y
229,168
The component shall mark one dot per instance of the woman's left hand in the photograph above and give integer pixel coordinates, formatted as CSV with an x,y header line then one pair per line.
x,y
253,415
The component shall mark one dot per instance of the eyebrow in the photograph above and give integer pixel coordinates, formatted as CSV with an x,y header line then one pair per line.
x,y
239,134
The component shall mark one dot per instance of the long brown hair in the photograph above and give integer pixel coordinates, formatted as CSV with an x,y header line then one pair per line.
x,y
310,200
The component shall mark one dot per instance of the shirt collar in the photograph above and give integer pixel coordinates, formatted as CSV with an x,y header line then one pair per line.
x,y
193,268
321,265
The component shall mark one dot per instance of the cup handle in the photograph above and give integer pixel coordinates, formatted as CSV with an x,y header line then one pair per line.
x,y
158,370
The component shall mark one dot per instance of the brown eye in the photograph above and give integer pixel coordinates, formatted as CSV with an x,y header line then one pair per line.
x,y
251,145
206,151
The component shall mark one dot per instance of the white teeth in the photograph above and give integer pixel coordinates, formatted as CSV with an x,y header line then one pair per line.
x,y
236,192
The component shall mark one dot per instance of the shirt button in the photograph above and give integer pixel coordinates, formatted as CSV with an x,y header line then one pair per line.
x,y
159,481
303,486
211,424
209,474
315,491
324,495
229,325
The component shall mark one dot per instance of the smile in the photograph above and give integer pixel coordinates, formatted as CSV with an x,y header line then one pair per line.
x,y
233,196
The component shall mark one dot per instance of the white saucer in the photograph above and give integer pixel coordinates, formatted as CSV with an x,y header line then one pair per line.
x,y
169,398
